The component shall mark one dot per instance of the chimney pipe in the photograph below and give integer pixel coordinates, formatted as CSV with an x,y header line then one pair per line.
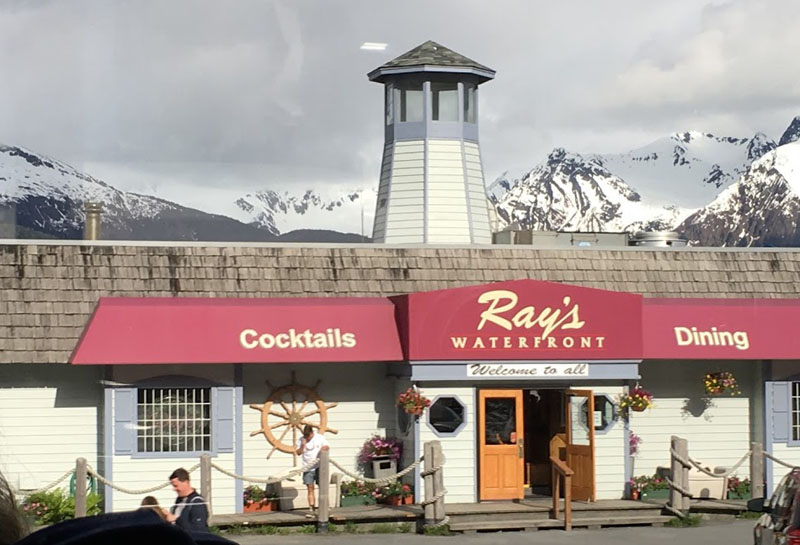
x,y
91,229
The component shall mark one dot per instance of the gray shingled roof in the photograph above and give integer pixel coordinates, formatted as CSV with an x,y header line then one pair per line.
x,y
433,54
48,290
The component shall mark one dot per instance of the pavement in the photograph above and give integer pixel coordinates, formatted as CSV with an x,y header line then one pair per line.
x,y
709,533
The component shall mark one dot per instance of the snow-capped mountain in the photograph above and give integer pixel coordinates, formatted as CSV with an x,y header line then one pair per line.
x,y
651,188
344,209
43,197
761,209
569,192
792,132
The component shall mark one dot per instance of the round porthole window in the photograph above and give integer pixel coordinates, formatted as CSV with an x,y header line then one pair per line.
x,y
447,415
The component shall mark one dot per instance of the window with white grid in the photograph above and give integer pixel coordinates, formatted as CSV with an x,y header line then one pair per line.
x,y
795,411
174,419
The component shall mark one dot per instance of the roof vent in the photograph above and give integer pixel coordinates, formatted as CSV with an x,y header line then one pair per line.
x,y
662,239
91,229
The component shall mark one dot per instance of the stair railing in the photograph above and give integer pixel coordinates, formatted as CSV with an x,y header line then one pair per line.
x,y
560,469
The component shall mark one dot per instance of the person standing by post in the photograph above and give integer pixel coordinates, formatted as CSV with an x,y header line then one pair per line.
x,y
189,510
309,447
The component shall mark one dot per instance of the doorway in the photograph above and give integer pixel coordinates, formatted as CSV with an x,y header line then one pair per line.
x,y
519,430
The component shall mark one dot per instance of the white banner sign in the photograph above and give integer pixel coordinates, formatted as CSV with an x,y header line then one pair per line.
x,y
527,370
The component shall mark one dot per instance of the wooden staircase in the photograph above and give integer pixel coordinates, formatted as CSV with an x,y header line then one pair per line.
x,y
536,514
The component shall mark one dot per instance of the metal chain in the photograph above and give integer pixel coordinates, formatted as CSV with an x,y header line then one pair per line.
x,y
781,462
384,480
90,470
46,487
268,480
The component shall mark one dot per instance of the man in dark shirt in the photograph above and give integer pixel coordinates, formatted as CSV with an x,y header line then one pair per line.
x,y
189,510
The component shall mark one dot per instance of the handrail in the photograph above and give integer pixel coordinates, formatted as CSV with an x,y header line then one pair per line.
x,y
560,469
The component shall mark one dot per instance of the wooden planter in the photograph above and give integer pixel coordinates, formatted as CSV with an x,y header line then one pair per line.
x,y
261,507
393,500
348,501
659,494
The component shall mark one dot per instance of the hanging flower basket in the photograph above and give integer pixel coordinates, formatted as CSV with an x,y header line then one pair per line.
x,y
721,383
413,402
637,400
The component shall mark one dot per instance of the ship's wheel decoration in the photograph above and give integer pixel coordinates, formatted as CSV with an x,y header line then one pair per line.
x,y
287,410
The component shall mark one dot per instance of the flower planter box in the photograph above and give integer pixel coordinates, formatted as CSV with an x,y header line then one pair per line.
x,y
408,500
261,507
658,494
348,501
735,496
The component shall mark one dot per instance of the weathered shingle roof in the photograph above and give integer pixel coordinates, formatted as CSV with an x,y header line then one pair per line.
x,y
431,56
49,290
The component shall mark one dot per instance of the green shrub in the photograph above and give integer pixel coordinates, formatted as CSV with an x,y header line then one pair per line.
x,y
56,505
443,530
686,522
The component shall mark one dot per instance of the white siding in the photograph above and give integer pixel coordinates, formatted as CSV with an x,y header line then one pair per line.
x,y
48,418
403,185
718,435
366,406
783,371
381,204
479,210
448,220
459,451
133,473
137,473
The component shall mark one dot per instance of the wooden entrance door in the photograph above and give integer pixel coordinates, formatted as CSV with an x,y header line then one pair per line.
x,y
501,444
580,442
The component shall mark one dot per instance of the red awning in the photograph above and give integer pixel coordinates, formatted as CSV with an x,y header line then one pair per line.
x,y
209,330
742,329
521,320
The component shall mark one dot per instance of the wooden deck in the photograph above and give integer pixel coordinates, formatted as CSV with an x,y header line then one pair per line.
x,y
469,517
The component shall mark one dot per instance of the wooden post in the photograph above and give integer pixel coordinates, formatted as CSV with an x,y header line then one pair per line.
x,y
438,481
205,479
567,502
675,475
556,480
429,492
757,470
80,487
323,509
683,450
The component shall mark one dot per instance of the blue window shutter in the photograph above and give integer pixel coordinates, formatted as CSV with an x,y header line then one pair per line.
x,y
124,420
780,400
224,418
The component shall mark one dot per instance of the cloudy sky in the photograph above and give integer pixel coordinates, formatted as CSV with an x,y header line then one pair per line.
x,y
164,95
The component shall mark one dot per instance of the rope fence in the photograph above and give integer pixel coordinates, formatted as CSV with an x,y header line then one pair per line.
x,y
681,463
434,491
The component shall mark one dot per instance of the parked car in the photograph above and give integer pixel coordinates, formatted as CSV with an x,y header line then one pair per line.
x,y
780,522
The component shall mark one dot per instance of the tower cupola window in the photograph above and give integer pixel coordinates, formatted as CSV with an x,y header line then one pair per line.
x,y
445,101
470,91
409,102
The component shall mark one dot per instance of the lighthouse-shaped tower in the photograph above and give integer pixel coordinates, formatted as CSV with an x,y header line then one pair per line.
x,y
431,186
